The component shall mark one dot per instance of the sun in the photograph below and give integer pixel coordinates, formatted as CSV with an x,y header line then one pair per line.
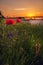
x,y
30,14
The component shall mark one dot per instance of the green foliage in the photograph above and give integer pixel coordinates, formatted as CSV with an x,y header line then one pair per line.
x,y
17,44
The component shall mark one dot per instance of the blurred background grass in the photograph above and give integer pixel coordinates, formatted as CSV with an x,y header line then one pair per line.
x,y
17,44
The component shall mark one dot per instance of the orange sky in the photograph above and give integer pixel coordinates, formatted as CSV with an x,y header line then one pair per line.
x,y
21,7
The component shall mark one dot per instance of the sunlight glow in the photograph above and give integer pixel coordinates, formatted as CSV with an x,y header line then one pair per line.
x,y
30,14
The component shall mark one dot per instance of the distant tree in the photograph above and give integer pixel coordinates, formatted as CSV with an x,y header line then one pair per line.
x,y
1,15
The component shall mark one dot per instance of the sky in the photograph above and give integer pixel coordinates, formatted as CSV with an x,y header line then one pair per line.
x,y
21,7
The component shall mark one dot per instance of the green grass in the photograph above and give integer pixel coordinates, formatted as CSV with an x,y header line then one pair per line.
x,y
17,44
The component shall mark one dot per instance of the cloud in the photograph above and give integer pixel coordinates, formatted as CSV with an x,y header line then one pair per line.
x,y
20,9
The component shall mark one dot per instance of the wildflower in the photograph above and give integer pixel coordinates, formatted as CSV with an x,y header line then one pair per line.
x,y
10,34
10,21
38,48
33,40
18,20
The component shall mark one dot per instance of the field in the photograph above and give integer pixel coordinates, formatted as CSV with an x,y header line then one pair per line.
x,y
18,44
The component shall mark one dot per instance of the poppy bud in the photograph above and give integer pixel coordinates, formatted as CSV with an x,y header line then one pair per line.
x,y
37,48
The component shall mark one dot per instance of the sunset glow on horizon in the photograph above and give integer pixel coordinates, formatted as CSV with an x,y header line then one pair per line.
x,y
13,8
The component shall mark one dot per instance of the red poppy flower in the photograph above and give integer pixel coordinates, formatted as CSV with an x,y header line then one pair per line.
x,y
10,21
18,20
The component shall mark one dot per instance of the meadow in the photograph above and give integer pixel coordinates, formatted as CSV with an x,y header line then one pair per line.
x,y
18,44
